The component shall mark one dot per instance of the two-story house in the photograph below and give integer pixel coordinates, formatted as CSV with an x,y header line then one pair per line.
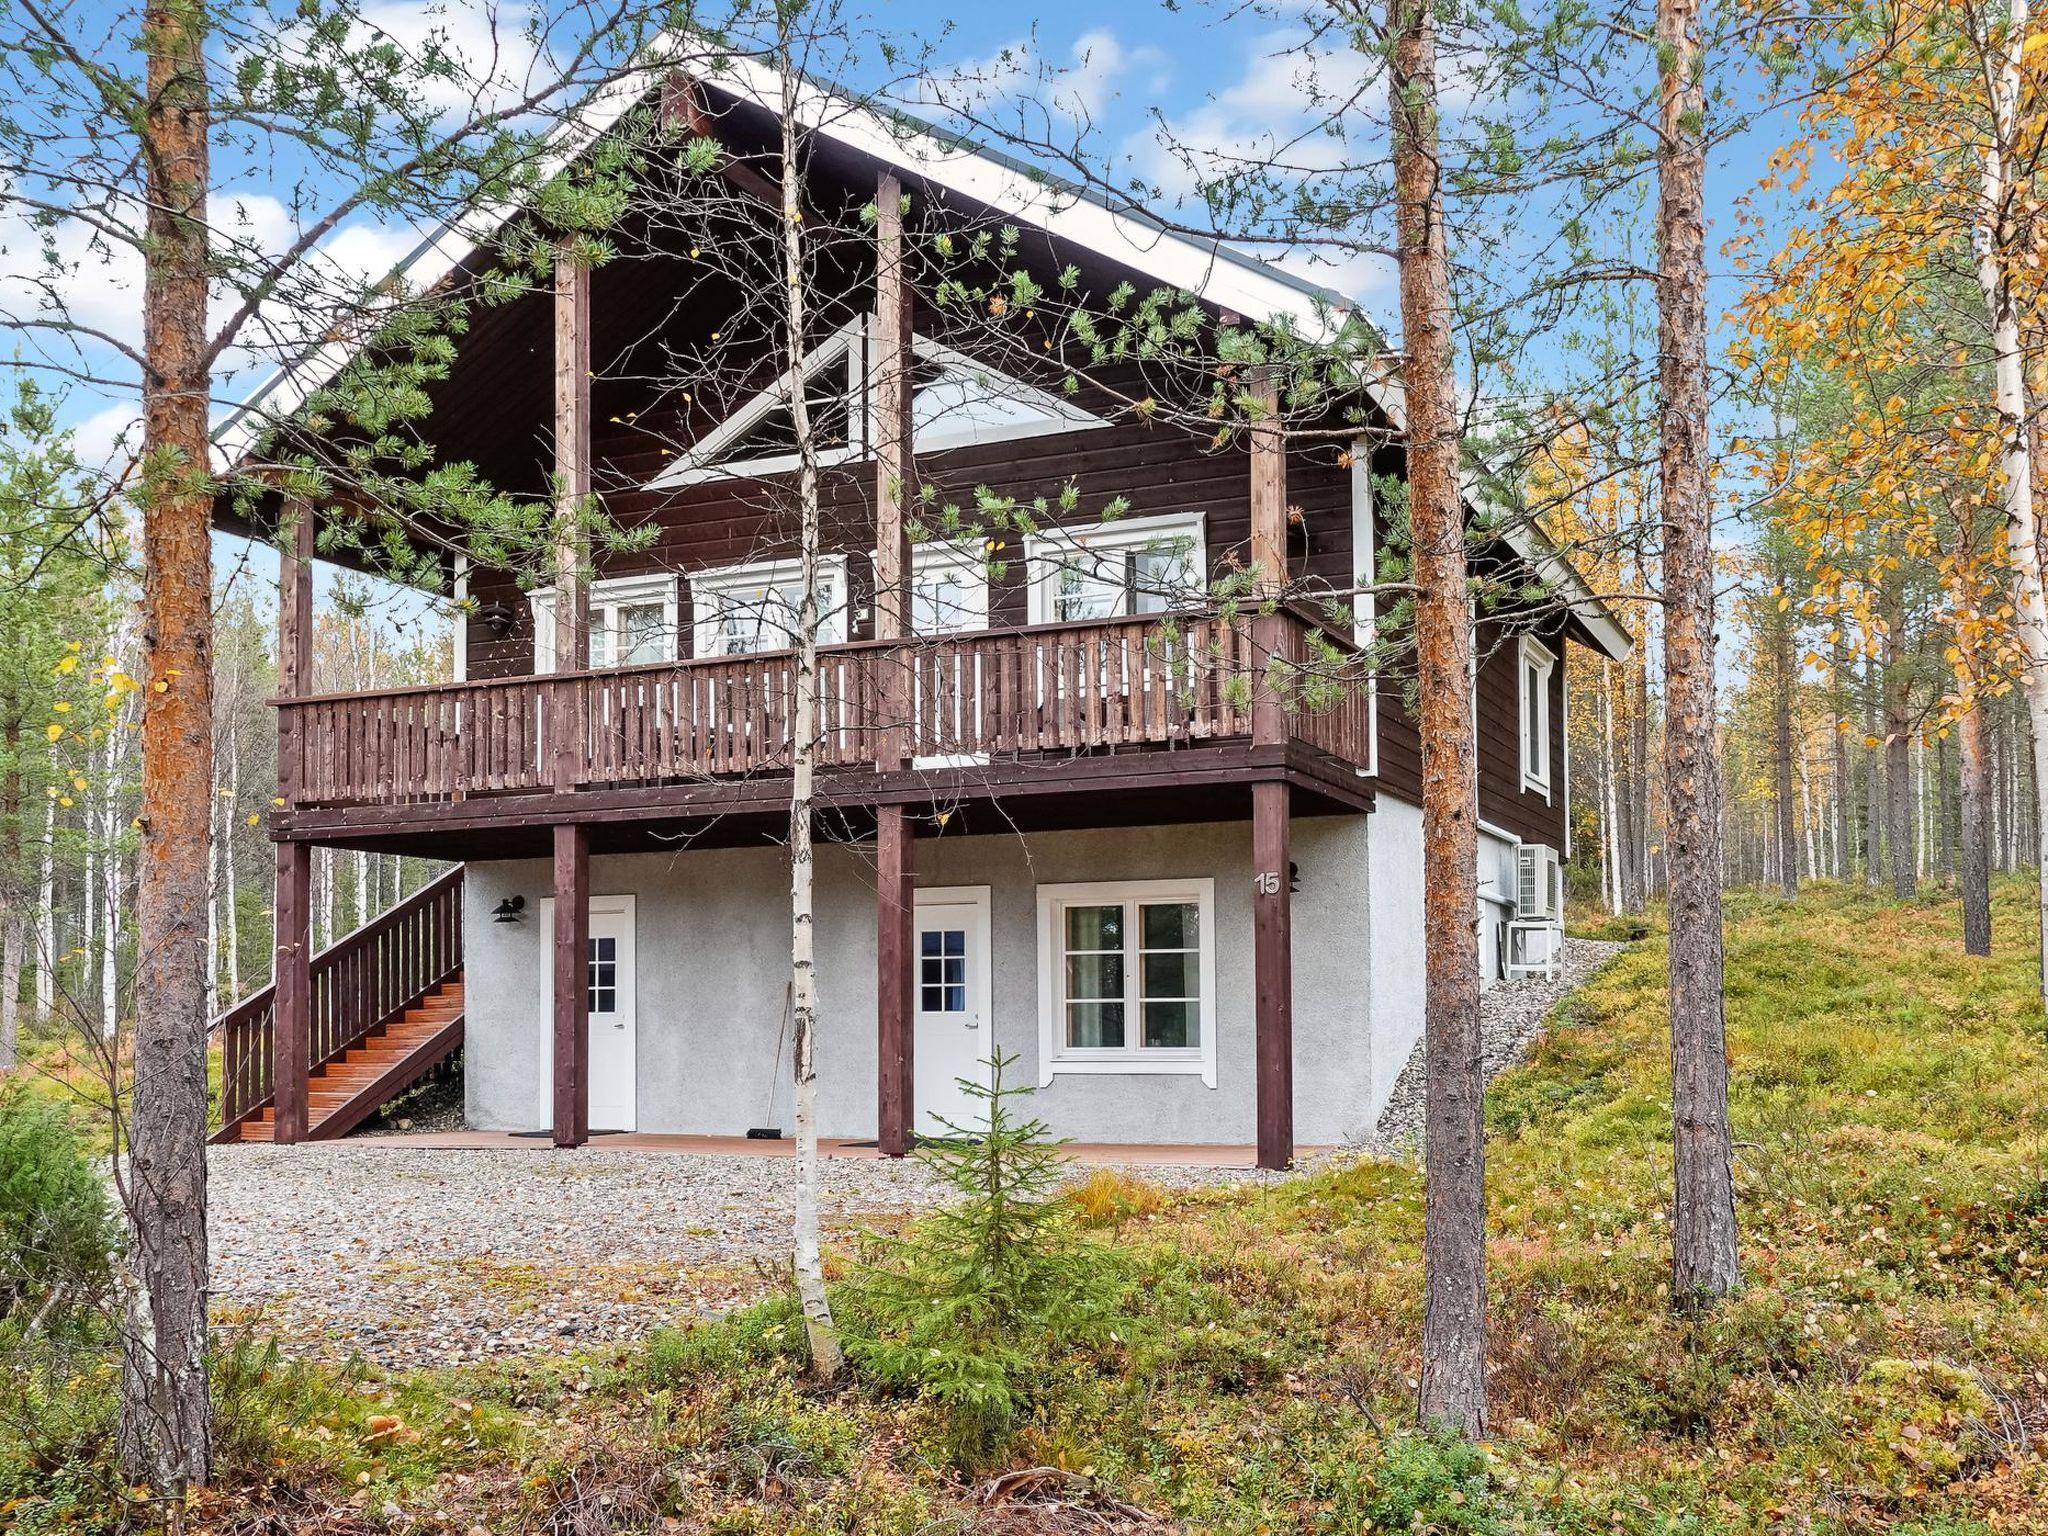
x,y
1069,809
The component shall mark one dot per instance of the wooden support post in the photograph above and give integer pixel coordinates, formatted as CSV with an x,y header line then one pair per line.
x,y
1270,632
292,1002
889,410
572,492
895,940
291,1007
572,983
1269,481
1273,971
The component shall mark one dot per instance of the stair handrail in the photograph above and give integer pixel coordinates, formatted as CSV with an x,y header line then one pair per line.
x,y
247,1030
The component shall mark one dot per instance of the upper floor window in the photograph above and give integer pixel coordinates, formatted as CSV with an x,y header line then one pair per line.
x,y
948,589
955,402
1536,662
745,609
632,622
1120,569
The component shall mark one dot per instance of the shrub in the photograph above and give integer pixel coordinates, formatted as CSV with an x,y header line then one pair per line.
x,y
1435,1483
58,1235
971,1311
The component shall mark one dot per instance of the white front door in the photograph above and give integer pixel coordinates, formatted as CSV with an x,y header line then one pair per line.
x,y
954,1005
614,1017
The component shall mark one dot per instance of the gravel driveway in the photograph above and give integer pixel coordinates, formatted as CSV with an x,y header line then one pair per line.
x,y
432,1256
437,1255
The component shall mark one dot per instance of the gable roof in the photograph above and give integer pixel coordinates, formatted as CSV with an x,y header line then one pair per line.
x,y
1217,273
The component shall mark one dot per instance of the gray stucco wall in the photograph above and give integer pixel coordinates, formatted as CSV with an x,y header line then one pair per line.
x,y
1394,951
711,937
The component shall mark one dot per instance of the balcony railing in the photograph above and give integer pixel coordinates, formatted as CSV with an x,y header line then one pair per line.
x,y
958,699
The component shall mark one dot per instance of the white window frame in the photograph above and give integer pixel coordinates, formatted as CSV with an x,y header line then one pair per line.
x,y
462,611
962,558
611,593
1047,551
1533,655
1054,1054
853,348
760,574
1365,619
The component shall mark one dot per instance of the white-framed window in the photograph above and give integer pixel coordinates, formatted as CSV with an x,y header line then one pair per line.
x,y
745,609
1535,662
1365,604
633,621
1127,978
948,589
1119,569
955,402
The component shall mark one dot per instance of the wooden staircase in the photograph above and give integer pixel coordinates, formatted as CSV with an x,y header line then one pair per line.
x,y
383,1008
344,1092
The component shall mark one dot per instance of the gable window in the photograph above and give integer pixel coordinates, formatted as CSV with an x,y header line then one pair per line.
x,y
742,610
1119,569
955,402
948,589
1127,978
633,622
1536,662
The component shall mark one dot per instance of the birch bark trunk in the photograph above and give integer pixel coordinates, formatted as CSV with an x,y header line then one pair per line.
x,y
809,1255
46,914
1704,1265
1974,872
1454,1238
1898,765
1994,240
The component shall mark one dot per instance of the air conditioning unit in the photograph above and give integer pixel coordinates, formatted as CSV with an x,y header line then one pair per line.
x,y
1539,884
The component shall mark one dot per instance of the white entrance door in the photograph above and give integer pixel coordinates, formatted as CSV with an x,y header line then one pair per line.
x,y
614,1017
954,1003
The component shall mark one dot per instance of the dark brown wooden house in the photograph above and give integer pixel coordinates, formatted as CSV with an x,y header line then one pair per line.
x,y
1072,810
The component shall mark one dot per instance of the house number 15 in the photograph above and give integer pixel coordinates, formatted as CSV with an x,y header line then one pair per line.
x,y
1266,882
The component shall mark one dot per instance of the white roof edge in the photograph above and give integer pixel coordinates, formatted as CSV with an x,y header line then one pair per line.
x,y
1536,547
1211,270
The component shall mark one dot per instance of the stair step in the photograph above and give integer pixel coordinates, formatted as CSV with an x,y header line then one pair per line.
x,y
345,1078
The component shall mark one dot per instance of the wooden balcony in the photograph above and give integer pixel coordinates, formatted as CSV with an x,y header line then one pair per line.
x,y
964,713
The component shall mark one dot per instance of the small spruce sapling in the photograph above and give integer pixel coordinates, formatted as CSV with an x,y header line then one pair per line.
x,y
973,1308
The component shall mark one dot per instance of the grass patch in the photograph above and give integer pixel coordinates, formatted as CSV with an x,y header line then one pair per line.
x,y
1882,1372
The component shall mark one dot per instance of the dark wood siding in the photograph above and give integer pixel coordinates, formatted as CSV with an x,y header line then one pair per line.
x,y
1156,470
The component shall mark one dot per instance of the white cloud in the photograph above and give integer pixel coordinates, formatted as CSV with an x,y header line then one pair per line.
x,y
484,58
1079,88
109,437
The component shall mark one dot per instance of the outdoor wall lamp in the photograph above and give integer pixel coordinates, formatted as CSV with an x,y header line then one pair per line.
x,y
511,910
497,618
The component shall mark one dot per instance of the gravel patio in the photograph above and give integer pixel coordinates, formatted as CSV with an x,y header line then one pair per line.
x,y
411,1255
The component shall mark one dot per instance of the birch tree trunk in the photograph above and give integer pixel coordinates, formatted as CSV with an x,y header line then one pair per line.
x,y
1781,743
809,1256
13,917
46,914
1454,1237
1973,874
1703,1259
1995,240
233,894
1898,752
166,1428
1611,853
